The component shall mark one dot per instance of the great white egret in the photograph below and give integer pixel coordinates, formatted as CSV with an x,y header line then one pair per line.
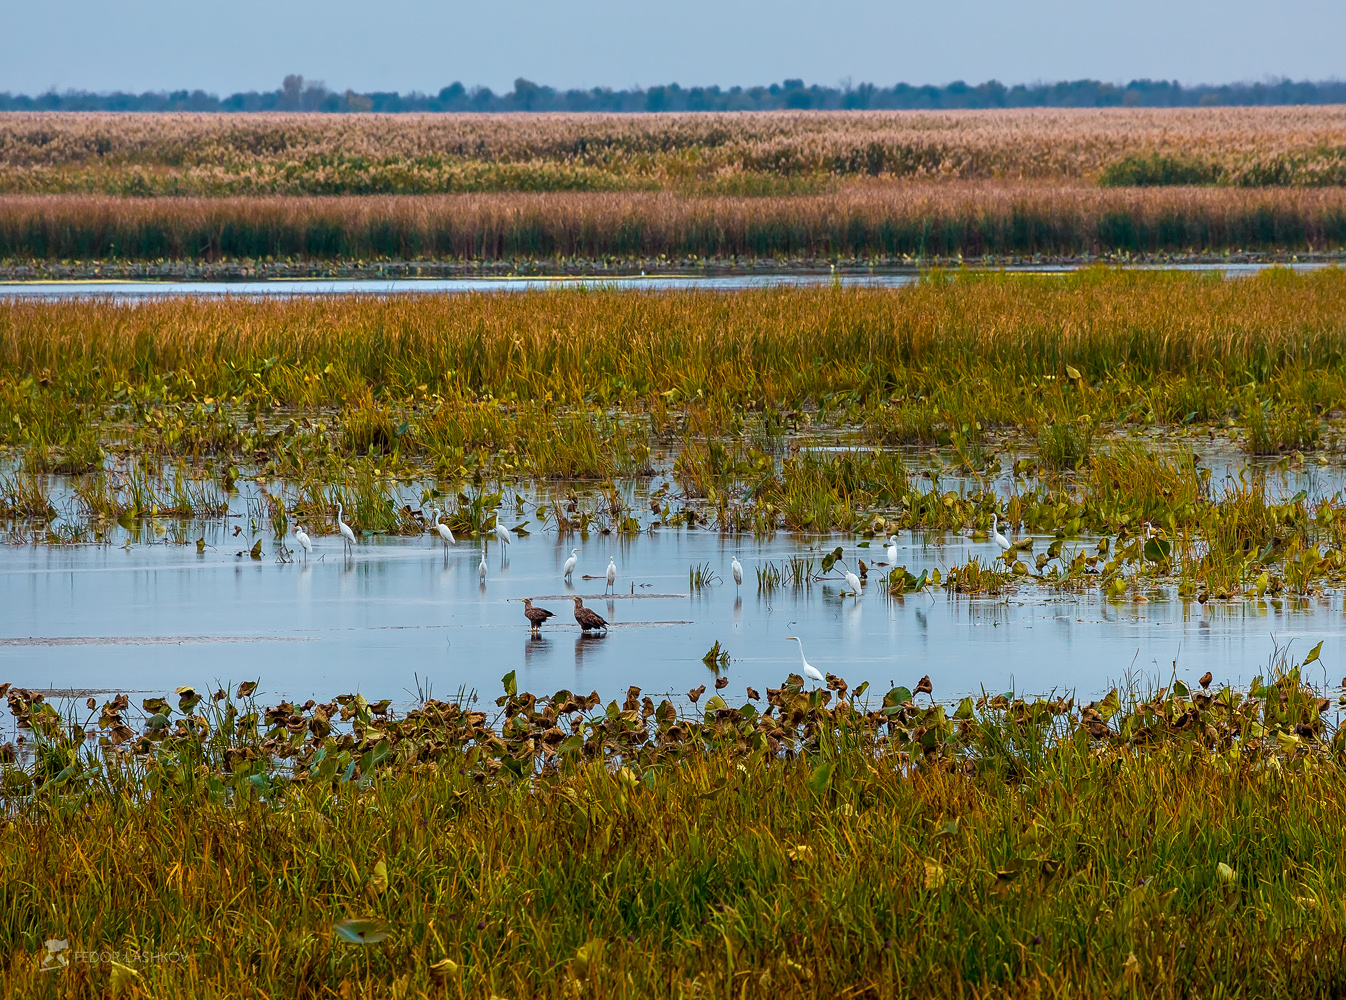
x,y
852,581
535,616
891,551
345,528
569,566
737,569
612,571
810,671
587,619
443,529
301,536
502,533
481,567
999,539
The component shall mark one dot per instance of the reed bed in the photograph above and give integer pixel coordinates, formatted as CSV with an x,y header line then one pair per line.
x,y
869,221
586,383
810,843
180,154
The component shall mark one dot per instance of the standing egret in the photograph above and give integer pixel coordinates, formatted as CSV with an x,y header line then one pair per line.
x,y
502,533
569,566
587,619
891,551
737,569
535,616
612,571
999,539
810,671
852,581
481,567
345,528
443,529
302,537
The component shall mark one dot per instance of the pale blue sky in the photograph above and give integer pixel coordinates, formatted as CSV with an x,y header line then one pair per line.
x,y
421,45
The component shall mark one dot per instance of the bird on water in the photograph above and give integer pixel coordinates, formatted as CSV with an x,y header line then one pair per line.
x,y
737,568
999,539
502,533
810,671
535,616
612,571
481,567
443,529
569,566
302,537
346,533
588,620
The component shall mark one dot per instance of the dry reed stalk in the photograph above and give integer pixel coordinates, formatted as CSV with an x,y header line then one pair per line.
x,y
309,154
866,220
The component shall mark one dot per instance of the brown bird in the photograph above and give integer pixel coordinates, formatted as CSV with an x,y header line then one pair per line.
x,y
588,619
1205,680
535,616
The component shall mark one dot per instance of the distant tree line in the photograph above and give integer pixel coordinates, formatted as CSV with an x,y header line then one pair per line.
x,y
298,94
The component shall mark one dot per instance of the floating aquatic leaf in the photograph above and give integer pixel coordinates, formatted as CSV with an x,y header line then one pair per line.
x,y
588,958
822,774
362,930
122,978
445,968
934,874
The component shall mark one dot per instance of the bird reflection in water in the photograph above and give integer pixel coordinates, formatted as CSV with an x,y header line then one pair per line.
x,y
584,642
536,644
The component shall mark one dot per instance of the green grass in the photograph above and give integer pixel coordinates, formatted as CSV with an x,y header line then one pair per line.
x,y
1178,841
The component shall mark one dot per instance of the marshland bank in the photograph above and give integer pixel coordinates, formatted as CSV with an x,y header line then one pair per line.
x,y
782,842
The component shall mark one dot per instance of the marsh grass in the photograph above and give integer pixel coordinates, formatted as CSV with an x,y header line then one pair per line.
x,y
815,842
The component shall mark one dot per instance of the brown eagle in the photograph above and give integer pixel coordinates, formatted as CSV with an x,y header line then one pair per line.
x,y
588,619
535,616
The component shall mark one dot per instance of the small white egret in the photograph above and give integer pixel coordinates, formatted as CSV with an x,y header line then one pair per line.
x,y
345,528
852,581
481,567
737,569
569,566
810,671
891,550
1000,539
612,571
443,529
301,536
502,533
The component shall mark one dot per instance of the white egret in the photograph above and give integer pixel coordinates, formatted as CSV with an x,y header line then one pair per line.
x,y
301,536
891,550
612,571
443,529
852,580
502,533
569,566
1000,539
481,567
810,671
345,528
737,569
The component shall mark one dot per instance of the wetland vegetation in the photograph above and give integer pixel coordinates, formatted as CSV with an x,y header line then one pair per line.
x,y
873,186
818,840
1070,405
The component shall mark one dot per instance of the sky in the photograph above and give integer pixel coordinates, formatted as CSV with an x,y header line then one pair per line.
x,y
138,45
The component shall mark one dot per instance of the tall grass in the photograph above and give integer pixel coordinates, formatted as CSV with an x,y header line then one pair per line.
x,y
1148,843
186,154
870,220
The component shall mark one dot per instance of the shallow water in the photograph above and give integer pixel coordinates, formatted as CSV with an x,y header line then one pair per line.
x,y
150,617
717,281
